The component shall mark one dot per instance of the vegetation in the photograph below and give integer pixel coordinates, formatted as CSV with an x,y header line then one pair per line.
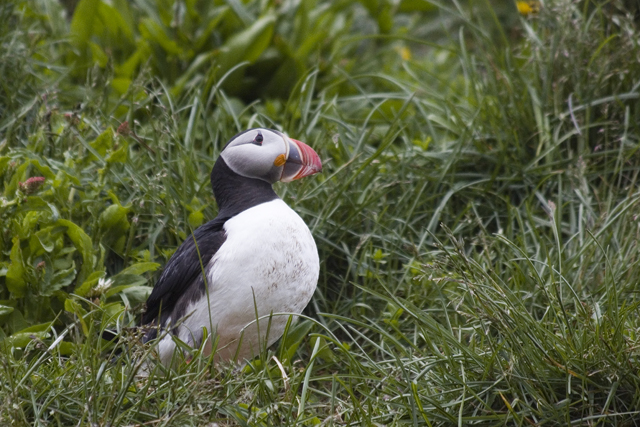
x,y
477,218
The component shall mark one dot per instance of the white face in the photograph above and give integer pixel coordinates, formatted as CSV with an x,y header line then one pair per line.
x,y
258,153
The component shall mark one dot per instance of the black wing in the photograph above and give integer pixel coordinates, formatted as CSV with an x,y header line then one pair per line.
x,y
181,280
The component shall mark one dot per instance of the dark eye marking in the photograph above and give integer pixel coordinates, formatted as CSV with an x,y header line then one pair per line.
x,y
258,139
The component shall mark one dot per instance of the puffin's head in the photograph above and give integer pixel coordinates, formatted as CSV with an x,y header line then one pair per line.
x,y
270,155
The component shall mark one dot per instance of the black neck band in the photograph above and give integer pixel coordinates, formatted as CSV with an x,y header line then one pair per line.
x,y
235,193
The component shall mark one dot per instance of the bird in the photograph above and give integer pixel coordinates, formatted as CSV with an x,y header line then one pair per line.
x,y
257,257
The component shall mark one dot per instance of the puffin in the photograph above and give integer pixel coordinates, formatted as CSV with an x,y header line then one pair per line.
x,y
255,259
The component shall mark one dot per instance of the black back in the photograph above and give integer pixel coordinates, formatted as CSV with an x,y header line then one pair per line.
x,y
182,280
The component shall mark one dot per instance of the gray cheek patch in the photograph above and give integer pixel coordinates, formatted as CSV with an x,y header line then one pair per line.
x,y
274,174
252,161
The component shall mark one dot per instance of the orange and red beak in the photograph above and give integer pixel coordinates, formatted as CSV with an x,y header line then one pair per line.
x,y
302,161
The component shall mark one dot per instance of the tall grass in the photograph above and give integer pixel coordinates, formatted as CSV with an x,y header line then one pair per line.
x,y
477,222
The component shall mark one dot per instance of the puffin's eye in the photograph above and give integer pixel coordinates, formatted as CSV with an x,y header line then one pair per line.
x,y
258,139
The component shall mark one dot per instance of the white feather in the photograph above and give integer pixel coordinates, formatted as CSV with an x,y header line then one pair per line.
x,y
269,263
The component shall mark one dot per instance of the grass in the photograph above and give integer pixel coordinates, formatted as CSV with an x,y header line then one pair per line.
x,y
477,221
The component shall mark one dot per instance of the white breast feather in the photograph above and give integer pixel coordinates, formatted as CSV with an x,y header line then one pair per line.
x,y
268,261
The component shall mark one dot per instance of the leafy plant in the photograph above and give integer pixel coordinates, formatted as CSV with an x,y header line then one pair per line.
x,y
476,218
250,49
58,235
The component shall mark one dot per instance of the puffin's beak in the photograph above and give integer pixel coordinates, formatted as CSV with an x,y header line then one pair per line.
x,y
302,161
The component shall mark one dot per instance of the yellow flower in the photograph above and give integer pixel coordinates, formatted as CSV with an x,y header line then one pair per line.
x,y
526,8
405,53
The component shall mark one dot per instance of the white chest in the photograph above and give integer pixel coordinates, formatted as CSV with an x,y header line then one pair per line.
x,y
267,264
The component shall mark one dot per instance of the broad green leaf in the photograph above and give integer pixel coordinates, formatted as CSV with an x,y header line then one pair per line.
x,y
114,216
140,268
325,350
309,44
44,240
15,321
294,338
116,26
61,279
43,169
22,339
29,223
102,143
65,348
18,175
4,161
137,294
246,45
42,327
127,69
34,203
98,55
110,314
111,311
62,177
314,421
85,21
75,308
211,25
5,309
83,244
114,225
55,215
96,21
240,11
121,84
126,280
16,272
89,283
152,31
119,155
124,10
40,243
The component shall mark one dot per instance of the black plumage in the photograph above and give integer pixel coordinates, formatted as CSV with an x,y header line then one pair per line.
x,y
182,280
